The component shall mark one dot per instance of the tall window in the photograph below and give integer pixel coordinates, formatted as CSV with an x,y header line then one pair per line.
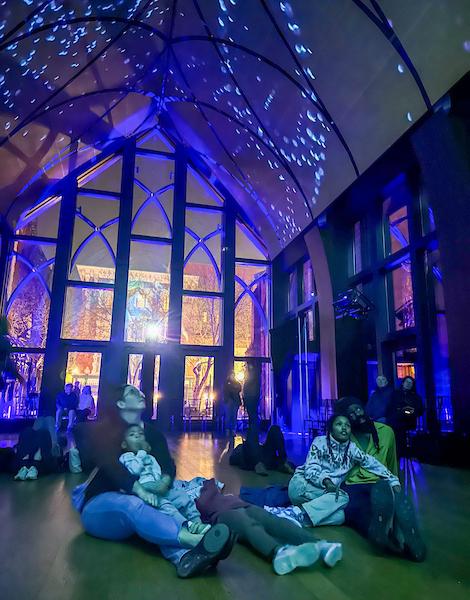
x,y
252,310
27,304
402,297
160,291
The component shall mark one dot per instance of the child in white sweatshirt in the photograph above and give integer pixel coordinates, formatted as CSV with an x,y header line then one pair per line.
x,y
175,502
315,485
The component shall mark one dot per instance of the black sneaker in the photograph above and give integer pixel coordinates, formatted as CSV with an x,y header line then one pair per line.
x,y
212,548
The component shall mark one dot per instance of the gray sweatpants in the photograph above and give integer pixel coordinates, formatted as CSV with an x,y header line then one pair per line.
x,y
322,507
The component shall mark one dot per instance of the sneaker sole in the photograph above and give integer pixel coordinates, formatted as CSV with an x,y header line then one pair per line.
x,y
333,555
304,555
216,538
208,552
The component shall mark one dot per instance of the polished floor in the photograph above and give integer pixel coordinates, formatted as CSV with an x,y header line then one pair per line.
x,y
44,554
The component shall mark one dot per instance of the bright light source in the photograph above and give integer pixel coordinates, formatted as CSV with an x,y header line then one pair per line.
x,y
240,376
154,332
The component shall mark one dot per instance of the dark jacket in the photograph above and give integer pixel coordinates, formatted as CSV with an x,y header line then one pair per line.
x,y
252,387
397,415
232,389
100,445
69,401
379,402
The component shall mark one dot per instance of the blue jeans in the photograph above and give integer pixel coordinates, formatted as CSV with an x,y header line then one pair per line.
x,y
116,516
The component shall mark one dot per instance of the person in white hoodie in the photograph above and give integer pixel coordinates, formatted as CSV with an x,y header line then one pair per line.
x,y
315,486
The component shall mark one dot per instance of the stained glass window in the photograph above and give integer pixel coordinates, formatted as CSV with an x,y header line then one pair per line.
x,y
198,387
201,321
252,307
21,398
87,313
148,292
30,268
134,370
403,296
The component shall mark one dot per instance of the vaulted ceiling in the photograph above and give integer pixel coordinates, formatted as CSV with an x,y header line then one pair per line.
x,y
287,102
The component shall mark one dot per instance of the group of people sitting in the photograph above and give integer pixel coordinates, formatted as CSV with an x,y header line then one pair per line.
x,y
76,403
349,476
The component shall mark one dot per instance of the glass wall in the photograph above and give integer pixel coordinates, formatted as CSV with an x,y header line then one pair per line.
x,y
403,307
134,286
199,393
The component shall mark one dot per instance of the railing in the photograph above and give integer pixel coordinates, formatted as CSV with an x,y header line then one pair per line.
x,y
318,417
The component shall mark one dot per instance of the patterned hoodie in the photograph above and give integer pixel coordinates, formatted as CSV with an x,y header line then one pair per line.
x,y
335,460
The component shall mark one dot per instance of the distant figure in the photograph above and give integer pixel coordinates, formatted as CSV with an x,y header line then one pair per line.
x,y
231,403
404,410
8,370
251,395
86,405
77,386
380,400
66,402
253,456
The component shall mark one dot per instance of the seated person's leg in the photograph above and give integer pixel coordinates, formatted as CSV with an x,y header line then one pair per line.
x,y
72,418
58,417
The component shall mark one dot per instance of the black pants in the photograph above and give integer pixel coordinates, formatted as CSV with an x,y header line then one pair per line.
x,y
250,453
29,442
251,406
263,531
83,414
358,511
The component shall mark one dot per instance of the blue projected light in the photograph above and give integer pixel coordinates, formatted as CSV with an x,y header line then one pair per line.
x,y
281,100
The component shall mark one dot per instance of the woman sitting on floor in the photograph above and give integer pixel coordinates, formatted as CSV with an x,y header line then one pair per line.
x,y
253,456
114,505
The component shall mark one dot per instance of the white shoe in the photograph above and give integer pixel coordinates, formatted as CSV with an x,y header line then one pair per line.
x,y
198,528
289,558
331,553
32,473
75,463
22,473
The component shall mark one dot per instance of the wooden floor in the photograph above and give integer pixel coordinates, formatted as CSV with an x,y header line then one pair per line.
x,y
45,555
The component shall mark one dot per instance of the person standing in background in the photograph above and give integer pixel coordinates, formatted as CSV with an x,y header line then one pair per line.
x,y
251,395
380,399
231,403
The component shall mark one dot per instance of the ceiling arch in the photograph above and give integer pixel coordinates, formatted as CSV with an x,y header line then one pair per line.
x,y
287,102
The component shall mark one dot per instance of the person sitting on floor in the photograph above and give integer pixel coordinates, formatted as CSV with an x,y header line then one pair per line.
x,y
113,505
66,402
315,485
174,502
253,456
386,518
86,405
280,541
38,452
